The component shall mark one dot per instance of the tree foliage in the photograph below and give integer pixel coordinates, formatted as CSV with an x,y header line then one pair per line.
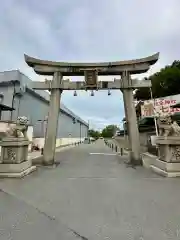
x,y
94,134
109,131
164,83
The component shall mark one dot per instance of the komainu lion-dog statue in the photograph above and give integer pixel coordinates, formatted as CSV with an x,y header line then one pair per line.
x,y
19,130
167,127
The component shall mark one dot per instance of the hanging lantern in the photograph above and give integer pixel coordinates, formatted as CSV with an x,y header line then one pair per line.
x,y
109,92
92,93
75,93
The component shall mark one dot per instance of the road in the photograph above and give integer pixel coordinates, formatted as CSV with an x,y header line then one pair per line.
x,y
92,194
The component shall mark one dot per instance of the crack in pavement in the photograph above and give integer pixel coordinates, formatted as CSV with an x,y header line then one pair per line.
x,y
78,235
52,218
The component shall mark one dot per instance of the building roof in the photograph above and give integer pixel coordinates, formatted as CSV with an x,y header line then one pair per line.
x,y
17,76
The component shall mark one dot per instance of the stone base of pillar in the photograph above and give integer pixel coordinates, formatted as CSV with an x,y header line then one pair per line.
x,y
48,163
168,162
123,144
16,170
166,169
134,160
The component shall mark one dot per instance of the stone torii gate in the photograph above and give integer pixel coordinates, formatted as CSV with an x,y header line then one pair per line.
x,y
91,71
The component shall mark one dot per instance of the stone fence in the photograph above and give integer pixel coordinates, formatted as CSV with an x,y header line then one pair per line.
x,y
39,142
145,142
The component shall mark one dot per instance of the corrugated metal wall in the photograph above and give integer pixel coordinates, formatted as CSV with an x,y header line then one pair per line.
x,y
36,109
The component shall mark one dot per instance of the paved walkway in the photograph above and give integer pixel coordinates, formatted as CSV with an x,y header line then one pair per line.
x,y
90,196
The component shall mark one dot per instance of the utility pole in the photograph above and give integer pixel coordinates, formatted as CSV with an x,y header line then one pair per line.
x,y
155,119
88,129
80,131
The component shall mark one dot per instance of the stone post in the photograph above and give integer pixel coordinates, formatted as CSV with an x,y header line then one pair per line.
x,y
52,123
132,127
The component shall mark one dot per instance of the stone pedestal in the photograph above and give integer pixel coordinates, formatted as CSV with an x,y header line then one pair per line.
x,y
14,158
168,161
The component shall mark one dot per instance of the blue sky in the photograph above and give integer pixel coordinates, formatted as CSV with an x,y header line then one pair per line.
x,y
89,30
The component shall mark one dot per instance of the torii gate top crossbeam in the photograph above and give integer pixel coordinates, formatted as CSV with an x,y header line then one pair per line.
x,y
135,66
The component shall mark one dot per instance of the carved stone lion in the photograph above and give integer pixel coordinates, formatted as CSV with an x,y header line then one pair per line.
x,y
175,129
167,127
20,129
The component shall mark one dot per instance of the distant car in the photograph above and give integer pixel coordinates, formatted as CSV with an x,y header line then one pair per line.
x,y
118,133
92,139
101,137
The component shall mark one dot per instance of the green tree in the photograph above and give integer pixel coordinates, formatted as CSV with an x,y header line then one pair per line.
x,y
164,83
94,134
109,131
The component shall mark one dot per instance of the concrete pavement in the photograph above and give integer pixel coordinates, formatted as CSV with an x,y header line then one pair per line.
x,y
90,195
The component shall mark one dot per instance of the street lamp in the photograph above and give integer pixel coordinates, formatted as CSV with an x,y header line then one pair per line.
x,y
155,119
80,131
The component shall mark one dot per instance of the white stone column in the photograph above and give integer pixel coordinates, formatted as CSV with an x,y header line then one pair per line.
x,y
52,122
132,127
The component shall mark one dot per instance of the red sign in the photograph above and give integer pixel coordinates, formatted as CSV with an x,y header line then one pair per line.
x,y
158,107
164,102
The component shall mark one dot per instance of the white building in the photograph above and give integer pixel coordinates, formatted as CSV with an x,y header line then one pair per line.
x,y
17,98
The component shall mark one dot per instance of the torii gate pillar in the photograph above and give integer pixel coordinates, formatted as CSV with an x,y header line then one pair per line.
x,y
132,126
52,124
